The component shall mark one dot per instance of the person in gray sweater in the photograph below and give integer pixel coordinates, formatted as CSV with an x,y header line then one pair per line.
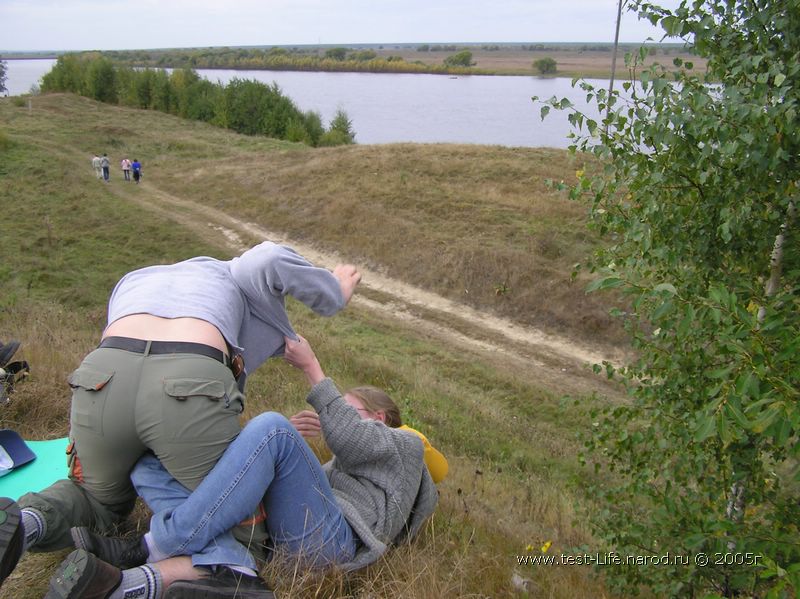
x,y
376,492
168,377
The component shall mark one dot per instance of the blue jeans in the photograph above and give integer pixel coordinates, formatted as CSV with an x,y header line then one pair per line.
x,y
268,462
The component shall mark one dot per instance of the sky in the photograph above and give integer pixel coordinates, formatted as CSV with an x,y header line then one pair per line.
x,y
28,25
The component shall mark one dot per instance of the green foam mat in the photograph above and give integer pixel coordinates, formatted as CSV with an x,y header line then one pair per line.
x,y
49,466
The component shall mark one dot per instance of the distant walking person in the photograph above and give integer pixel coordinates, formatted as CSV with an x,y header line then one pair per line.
x,y
126,169
137,170
98,169
106,164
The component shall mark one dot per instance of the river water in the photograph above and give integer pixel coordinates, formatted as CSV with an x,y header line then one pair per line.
x,y
389,108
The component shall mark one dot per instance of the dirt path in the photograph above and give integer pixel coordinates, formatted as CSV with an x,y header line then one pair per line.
x,y
556,360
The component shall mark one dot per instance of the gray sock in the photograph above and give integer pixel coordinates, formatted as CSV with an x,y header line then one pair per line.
x,y
35,527
154,554
143,582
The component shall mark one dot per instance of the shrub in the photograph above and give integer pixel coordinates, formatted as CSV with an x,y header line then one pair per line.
x,y
336,53
342,124
461,59
545,65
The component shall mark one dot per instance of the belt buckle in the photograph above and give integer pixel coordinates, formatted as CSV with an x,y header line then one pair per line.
x,y
237,365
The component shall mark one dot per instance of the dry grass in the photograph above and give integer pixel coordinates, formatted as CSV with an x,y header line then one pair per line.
x,y
508,485
475,224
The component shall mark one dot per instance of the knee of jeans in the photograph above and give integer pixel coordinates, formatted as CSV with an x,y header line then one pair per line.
x,y
267,422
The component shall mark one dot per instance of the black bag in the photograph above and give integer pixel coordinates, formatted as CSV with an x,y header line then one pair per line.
x,y
10,372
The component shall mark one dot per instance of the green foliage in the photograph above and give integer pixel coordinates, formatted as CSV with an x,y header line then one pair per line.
x,y
101,81
312,123
200,101
363,55
254,108
545,66
66,75
460,59
248,107
336,53
281,59
695,187
340,131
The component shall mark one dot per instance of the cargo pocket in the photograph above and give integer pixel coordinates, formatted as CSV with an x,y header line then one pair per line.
x,y
194,408
89,391
184,389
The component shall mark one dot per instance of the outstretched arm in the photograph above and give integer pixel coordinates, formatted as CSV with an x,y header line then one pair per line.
x,y
300,355
278,270
351,439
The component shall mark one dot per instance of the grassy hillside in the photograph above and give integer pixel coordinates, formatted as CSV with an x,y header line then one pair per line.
x,y
461,220
476,224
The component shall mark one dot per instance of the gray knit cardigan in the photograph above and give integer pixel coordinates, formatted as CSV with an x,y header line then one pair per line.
x,y
378,475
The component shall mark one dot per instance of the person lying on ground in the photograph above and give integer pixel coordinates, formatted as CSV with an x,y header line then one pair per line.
x,y
377,491
168,377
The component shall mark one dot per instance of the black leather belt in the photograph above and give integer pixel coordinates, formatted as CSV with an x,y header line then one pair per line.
x,y
139,346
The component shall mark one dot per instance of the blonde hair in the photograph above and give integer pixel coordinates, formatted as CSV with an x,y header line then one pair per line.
x,y
376,400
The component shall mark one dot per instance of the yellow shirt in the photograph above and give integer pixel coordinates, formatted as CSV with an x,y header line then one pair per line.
x,y
434,460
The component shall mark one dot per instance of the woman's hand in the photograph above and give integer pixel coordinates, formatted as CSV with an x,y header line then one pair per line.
x,y
306,423
300,355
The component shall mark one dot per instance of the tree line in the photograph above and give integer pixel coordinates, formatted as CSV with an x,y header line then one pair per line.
x,y
280,59
245,106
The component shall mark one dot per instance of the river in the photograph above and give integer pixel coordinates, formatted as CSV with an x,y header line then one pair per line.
x,y
389,108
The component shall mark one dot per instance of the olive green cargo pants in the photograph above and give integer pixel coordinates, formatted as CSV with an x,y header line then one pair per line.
x,y
183,407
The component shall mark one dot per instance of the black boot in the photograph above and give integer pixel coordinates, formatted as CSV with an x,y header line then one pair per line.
x,y
12,536
82,576
119,552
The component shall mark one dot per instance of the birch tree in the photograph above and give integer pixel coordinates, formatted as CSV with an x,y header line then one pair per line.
x,y
695,189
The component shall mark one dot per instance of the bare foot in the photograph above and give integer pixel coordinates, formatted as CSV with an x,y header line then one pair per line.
x,y
349,277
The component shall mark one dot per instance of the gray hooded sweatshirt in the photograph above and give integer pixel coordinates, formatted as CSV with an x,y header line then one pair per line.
x,y
378,475
243,297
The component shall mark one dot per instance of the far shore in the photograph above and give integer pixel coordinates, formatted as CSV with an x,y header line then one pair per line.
x,y
573,60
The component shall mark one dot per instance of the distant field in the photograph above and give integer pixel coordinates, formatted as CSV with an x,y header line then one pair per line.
x,y
571,62
572,59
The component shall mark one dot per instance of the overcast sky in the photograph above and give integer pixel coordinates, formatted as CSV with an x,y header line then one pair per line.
x,y
116,24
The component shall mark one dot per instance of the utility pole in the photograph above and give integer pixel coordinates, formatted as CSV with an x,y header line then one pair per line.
x,y
614,56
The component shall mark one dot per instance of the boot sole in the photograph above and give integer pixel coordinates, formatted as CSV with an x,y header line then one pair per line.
x,y
73,576
11,535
